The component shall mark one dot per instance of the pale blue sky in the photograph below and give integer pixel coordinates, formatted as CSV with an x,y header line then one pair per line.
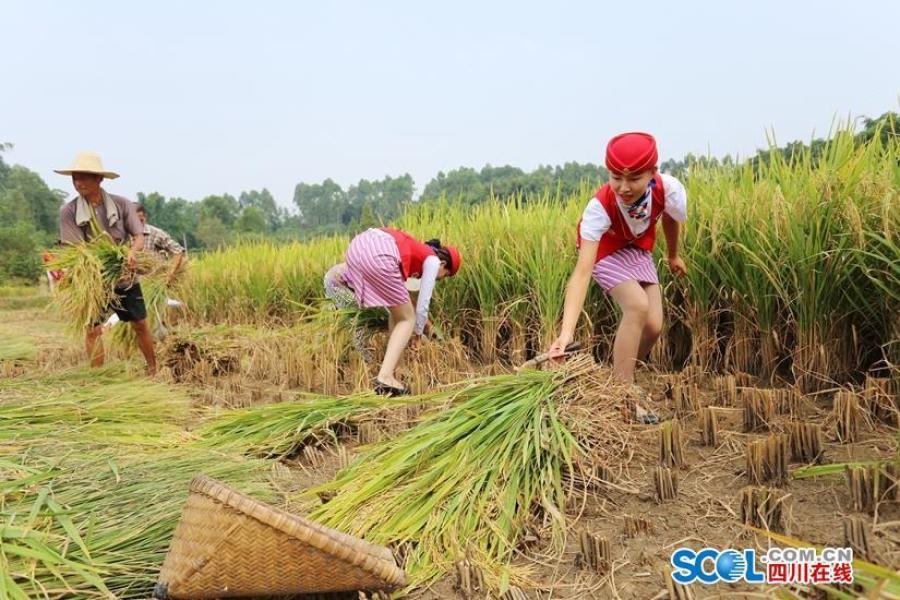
x,y
198,98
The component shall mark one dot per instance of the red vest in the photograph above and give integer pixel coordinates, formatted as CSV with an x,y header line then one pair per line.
x,y
412,252
619,235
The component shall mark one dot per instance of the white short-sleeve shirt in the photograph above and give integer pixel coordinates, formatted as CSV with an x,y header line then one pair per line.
x,y
595,222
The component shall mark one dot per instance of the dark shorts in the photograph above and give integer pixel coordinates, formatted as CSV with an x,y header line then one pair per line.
x,y
129,304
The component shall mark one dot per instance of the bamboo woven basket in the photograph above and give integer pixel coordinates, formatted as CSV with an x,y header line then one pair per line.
x,y
229,545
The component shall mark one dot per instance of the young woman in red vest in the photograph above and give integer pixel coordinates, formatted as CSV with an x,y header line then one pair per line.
x,y
378,263
615,240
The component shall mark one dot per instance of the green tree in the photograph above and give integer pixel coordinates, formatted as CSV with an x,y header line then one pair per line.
x,y
320,203
463,184
398,192
25,196
367,218
20,246
252,221
178,217
263,201
211,232
225,208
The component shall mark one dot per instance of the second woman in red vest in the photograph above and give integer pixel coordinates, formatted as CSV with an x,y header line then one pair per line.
x,y
378,263
615,238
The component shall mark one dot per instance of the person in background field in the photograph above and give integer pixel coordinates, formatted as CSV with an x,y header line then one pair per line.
x,y
116,216
616,235
378,264
159,241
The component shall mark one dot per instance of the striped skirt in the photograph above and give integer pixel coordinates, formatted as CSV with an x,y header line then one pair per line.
x,y
373,270
627,264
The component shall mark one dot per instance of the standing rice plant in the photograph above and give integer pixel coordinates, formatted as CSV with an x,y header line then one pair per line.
x,y
262,280
817,276
749,297
545,262
700,246
791,264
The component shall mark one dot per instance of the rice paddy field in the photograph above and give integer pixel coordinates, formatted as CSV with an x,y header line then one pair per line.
x,y
777,378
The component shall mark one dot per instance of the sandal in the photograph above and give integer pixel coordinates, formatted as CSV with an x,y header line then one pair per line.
x,y
644,416
641,414
383,389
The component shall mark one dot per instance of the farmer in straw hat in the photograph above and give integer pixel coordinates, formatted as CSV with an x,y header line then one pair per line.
x,y
116,216
616,235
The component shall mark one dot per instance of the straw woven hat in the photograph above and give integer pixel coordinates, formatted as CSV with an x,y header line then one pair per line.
x,y
87,162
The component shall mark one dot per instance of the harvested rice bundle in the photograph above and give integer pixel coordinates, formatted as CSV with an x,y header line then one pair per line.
x,y
92,271
158,287
94,525
278,430
469,480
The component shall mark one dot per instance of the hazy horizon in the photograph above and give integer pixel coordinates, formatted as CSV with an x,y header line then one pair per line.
x,y
191,101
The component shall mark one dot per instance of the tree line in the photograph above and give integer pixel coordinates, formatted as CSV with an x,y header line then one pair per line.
x,y
29,208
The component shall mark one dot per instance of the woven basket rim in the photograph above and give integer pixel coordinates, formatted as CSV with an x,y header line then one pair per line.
x,y
377,560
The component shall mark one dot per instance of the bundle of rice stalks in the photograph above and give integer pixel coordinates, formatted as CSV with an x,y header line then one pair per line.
x,y
767,460
635,526
671,445
881,400
665,484
16,347
157,287
315,354
807,442
467,481
87,406
847,414
94,470
283,429
201,354
95,525
759,408
856,537
709,426
92,271
764,508
725,390
593,553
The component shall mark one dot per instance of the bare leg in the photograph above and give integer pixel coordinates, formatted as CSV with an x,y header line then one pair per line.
x,y
94,345
635,305
404,318
145,343
653,325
